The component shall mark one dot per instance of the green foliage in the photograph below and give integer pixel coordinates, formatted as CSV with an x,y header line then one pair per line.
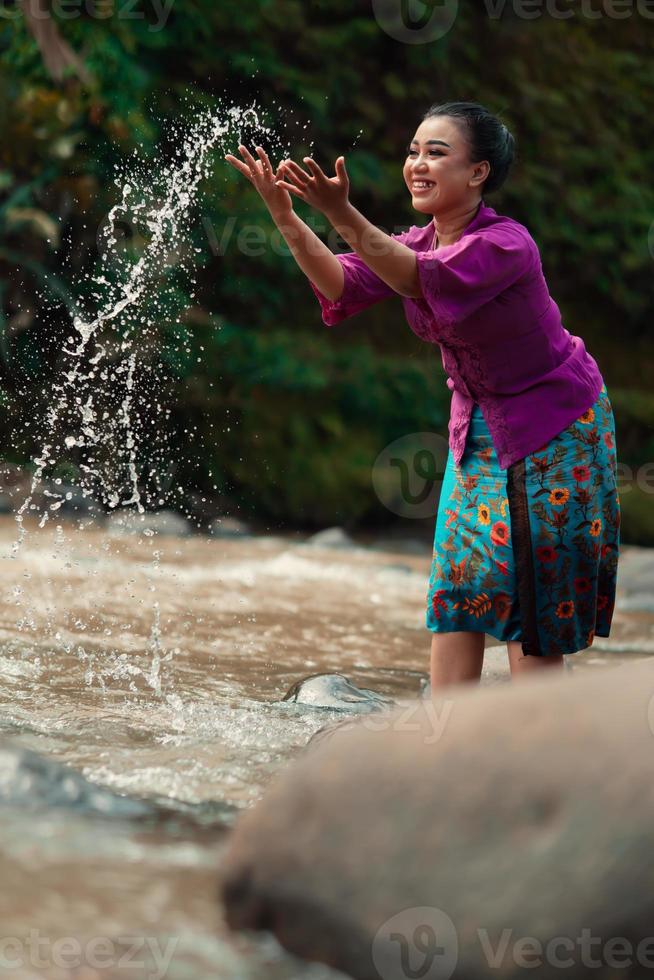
x,y
303,420
312,409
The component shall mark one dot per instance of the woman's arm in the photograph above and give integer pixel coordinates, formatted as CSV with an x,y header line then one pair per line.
x,y
393,262
389,259
315,259
451,283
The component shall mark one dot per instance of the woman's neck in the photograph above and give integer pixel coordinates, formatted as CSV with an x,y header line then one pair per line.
x,y
448,228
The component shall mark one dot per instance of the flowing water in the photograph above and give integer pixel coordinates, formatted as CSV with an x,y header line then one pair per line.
x,y
154,666
173,696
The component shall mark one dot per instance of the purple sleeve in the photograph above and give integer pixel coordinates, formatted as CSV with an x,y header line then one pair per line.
x,y
361,288
458,279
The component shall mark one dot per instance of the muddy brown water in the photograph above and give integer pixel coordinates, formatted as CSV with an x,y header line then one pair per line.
x,y
155,666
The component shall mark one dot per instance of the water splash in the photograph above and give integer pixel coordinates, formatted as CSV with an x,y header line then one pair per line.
x,y
108,409
96,420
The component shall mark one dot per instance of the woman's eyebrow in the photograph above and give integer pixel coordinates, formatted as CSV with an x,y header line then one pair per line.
x,y
432,142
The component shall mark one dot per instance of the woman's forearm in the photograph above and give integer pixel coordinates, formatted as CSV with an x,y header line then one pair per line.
x,y
393,262
316,260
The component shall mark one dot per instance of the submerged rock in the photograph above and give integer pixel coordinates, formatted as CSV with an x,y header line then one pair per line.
x,y
481,834
157,522
337,692
403,545
636,580
328,730
30,780
330,537
71,500
230,527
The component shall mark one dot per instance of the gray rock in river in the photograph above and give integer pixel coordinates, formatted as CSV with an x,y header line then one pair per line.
x,y
35,782
481,834
156,522
230,527
72,500
330,537
636,580
30,780
337,692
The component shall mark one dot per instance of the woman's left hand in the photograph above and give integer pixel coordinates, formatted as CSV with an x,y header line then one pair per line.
x,y
326,194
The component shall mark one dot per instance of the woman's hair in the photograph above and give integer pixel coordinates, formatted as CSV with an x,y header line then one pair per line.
x,y
489,138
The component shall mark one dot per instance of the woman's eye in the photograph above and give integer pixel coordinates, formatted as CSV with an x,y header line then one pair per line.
x,y
431,153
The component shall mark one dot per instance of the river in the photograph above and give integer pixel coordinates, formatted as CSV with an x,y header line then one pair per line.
x,y
155,666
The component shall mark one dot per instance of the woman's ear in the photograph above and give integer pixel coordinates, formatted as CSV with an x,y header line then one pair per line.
x,y
480,173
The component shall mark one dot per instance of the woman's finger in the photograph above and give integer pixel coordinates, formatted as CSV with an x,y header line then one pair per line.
x,y
265,162
295,180
340,169
314,168
238,165
291,188
251,162
295,170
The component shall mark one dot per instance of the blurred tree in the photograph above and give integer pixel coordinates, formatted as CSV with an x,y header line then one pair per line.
x,y
57,54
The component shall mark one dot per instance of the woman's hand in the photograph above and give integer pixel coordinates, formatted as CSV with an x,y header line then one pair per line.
x,y
260,174
326,194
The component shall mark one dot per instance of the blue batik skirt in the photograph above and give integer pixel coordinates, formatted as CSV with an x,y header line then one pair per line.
x,y
530,553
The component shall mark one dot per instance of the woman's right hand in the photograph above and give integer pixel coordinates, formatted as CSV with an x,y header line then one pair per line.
x,y
260,173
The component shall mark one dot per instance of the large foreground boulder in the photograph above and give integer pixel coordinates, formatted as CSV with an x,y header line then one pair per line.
x,y
491,833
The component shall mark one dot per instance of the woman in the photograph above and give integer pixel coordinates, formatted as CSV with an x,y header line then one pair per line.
x,y
527,533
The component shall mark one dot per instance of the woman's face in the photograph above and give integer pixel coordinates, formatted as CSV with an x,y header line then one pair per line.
x,y
439,155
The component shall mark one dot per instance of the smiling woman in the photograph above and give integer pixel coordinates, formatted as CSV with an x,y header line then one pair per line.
x,y
438,171
527,531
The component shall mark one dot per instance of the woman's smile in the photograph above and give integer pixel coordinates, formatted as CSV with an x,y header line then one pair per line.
x,y
419,186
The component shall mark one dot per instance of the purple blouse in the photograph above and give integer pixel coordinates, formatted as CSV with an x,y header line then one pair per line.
x,y
503,345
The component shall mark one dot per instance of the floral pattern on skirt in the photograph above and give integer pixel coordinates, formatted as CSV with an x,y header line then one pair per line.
x,y
530,553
